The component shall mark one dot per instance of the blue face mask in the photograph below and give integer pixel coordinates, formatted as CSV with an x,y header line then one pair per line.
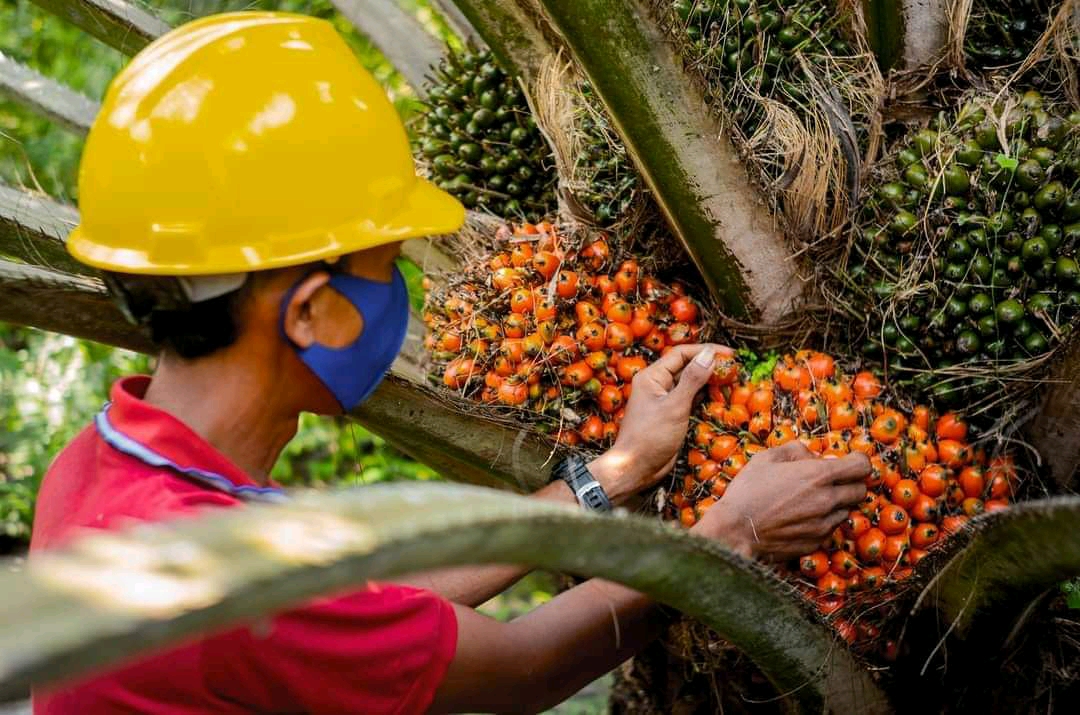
x,y
353,372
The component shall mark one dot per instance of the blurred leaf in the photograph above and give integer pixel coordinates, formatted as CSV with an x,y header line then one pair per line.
x,y
414,279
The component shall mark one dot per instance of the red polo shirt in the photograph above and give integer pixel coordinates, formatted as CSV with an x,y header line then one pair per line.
x,y
383,649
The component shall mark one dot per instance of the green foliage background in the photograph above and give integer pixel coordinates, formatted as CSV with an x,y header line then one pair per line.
x,y
51,385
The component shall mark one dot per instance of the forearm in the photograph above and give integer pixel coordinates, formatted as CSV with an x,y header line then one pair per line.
x,y
581,635
473,585
544,657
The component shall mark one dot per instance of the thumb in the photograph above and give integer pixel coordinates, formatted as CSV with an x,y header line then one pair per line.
x,y
694,376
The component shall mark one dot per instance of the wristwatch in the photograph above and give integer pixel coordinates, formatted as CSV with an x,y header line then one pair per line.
x,y
575,472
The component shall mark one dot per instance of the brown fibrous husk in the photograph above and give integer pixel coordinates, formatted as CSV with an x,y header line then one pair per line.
x,y
831,138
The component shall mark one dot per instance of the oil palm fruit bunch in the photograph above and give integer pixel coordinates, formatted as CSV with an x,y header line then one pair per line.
x,y
1003,32
756,41
603,166
555,331
927,481
968,253
481,141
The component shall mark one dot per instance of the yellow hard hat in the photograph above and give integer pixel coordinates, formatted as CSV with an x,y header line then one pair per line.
x,y
246,141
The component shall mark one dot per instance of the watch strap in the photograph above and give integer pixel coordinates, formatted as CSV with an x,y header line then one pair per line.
x,y
575,472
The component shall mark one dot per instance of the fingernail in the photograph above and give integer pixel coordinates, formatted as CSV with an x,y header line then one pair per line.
x,y
705,357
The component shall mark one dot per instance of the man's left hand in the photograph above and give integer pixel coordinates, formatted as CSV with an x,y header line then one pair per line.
x,y
656,420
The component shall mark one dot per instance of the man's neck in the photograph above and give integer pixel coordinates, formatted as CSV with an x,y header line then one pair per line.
x,y
239,411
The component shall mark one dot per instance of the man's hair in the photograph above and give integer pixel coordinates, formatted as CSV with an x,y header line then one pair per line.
x,y
174,323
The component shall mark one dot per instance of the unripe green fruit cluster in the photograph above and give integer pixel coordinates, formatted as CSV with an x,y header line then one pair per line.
x,y
757,40
611,181
970,253
482,142
1004,32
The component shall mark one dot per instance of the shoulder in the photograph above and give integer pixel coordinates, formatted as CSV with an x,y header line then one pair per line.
x,y
91,485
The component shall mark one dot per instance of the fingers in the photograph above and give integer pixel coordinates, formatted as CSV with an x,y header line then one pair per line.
x,y
673,361
852,467
791,549
831,521
793,451
849,495
695,374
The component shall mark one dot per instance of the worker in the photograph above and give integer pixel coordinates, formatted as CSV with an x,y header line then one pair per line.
x,y
245,190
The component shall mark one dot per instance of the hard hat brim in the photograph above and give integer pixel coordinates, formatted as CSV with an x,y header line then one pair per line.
x,y
426,211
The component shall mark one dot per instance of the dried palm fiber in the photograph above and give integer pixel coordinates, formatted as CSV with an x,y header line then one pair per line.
x,y
597,180
995,35
755,58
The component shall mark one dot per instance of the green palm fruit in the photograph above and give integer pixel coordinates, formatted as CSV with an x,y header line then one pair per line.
x,y
1043,155
761,45
968,342
1000,222
959,250
916,175
1036,344
475,112
1052,234
1040,302
980,304
604,166
1030,221
955,272
1009,311
957,180
924,142
1050,196
986,137
987,325
1034,249
982,267
908,156
1070,208
990,231
903,222
1030,175
969,154
894,193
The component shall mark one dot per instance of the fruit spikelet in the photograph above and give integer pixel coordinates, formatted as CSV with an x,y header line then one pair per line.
x,y
927,479
555,330
967,260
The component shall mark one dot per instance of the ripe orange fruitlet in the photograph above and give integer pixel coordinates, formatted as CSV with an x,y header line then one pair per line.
x,y
554,328
927,480
558,330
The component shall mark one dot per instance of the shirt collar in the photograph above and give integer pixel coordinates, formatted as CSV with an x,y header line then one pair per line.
x,y
152,435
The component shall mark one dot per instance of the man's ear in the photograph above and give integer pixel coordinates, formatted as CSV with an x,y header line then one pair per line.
x,y
299,322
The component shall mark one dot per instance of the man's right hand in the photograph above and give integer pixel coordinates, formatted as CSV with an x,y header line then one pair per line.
x,y
785,501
